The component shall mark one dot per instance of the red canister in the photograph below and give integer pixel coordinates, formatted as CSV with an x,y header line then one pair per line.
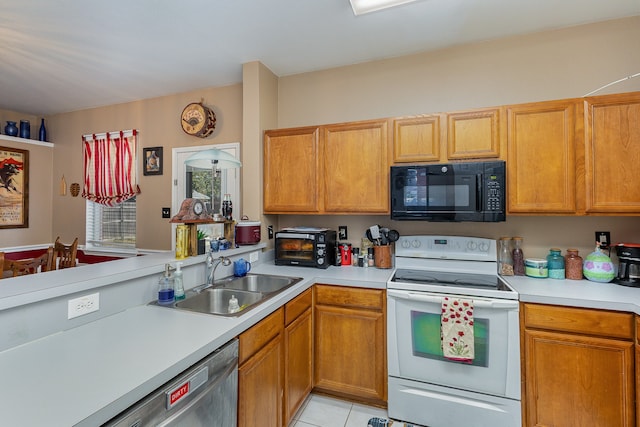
x,y
247,233
345,253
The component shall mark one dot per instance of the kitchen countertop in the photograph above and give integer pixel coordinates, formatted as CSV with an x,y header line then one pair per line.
x,y
88,374
576,293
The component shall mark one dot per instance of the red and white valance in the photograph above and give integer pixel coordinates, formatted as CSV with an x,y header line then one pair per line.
x,y
110,167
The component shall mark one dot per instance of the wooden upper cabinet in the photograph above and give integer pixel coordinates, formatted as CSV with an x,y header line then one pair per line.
x,y
612,153
541,165
463,135
417,139
473,134
356,167
292,170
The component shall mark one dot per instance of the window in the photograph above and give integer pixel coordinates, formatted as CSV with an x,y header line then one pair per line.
x,y
111,226
189,182
110,188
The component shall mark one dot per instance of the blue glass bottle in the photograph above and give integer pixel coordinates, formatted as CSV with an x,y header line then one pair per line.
x,y
42,134
555,263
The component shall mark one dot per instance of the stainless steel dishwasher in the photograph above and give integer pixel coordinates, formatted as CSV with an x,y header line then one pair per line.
x,y
204,395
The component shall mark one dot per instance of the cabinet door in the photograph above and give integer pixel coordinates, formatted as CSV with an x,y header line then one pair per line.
x,y
260,387
576,381
612,154
473,134
417,139
356,167
298,349
350,351
541,166
292,170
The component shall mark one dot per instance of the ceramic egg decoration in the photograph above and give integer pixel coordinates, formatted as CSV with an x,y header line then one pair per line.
x,y
598,267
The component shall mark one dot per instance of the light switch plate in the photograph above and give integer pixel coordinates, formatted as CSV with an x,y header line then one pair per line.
x,y
604,238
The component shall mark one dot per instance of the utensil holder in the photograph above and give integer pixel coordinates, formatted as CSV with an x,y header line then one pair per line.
x,y
382,256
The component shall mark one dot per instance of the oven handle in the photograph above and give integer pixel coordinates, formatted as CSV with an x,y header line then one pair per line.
x,y
437,299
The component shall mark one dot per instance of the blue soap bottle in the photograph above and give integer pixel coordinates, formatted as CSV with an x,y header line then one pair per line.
x,y
166,293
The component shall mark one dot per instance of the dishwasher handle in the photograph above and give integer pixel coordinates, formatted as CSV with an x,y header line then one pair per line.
x,y
437,299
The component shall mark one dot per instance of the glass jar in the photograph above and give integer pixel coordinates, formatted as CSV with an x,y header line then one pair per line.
x,y
505,260
573,265
518,257
555,263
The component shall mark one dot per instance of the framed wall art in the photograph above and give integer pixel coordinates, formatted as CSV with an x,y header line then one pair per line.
x,y
14,188
152,158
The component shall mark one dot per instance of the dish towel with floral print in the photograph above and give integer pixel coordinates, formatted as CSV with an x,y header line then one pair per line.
x,y
457,329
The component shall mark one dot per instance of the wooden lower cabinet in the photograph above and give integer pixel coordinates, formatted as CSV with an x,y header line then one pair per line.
x,y
350,343
260,373
298,350
275,373
578,367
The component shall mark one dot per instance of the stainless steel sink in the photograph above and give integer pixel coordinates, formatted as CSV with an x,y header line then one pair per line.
x,y
258,283
216,301
250,291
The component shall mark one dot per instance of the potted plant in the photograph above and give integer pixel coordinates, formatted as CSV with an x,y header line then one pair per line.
x,y
201,242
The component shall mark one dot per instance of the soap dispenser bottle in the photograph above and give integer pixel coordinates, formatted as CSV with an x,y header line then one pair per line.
x,y
233,305
177,283
166,294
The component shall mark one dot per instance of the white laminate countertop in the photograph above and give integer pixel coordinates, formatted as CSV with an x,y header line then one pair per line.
x,y
86,375
576,293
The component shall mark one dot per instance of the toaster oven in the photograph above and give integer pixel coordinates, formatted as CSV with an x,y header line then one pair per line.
x,y
305,246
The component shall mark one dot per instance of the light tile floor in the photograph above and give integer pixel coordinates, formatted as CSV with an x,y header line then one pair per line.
x,y
323,411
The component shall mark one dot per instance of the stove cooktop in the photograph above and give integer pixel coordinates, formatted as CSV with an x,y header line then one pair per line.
x,y
460,280
457,265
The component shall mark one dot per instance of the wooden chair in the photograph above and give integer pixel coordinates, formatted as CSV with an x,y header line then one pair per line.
x,y
41,263
65,255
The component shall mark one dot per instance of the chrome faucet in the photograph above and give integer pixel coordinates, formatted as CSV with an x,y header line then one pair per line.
x,y
213,263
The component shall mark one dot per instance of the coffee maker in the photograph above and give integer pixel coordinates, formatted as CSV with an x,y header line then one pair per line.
x,y
629,264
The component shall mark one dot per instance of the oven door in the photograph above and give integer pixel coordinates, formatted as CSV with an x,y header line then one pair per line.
x,y
415,350
295,249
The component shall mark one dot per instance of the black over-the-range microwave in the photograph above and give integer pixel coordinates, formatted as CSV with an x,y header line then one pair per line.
x,y
469,191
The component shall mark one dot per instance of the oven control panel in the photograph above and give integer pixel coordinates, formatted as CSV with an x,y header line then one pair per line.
x,y
447,247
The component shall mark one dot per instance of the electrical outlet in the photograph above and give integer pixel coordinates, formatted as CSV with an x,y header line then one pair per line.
x,y
604,238
270,232
83,305
342,232
254,256
166,212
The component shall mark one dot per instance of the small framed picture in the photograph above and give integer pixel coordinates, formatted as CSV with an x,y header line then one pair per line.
x,y
152,161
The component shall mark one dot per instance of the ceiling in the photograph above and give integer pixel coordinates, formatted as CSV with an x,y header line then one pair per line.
x,y
67,55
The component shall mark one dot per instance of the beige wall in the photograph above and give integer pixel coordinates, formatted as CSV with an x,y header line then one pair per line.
x,y
550,65
158,123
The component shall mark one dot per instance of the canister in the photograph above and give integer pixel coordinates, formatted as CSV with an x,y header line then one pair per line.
x,y
182,241
536,267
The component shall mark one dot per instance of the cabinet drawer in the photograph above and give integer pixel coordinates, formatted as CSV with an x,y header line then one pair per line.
x,y
350,297
259,335
297,306
610,324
